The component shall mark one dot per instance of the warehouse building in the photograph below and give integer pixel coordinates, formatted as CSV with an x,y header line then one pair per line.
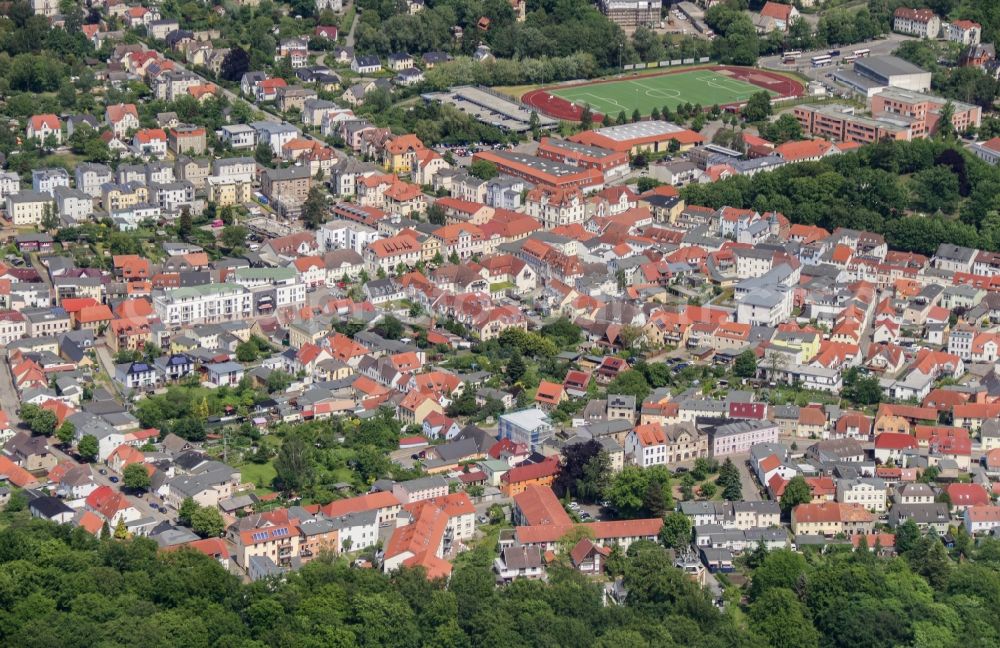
x,y
874,74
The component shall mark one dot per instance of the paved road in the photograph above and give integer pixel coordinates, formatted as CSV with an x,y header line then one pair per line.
x,y
107,363
354,25
748,483
9,402
879,46
142,504
42,272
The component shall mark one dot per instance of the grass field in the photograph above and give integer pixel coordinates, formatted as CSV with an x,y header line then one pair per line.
x,y
705,87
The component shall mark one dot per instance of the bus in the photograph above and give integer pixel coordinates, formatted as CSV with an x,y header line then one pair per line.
x,y
792,54
850,58
834,52
819,61
862,52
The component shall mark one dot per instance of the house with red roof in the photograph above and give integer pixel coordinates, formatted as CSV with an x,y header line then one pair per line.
x,y
962,496
122,118
521,477
112,506
549,395
776,16
436,529
42,127
806,150
438,426
416,406
890,446
150,143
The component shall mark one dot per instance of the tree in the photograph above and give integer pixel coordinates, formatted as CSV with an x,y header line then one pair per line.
x,y
483,169
314,208
263,153
797,492
391,328
187,511
784,129
135,477
294,465
516,367
729,480
185,225
586,118
436,215
121,531
907,535
676,531
630,382
43,422
207,522
584,473
278,381
66,433
632,493
88,447
234,236
235,64
745,365
758,107
636,115
779,617
935,189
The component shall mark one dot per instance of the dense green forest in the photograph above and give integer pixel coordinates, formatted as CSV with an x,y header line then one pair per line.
x,y
918,194
62,587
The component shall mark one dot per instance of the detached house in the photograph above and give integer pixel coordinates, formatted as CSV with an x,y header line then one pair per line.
x,y
41,127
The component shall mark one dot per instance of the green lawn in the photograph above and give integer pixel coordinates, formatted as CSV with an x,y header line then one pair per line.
x,y
259,474
500,287
705,87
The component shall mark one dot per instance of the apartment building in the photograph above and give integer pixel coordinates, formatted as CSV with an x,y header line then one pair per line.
x,y
923,23
29,208
228,191
842,123
288,187
90,177
207,303
923,111
554,207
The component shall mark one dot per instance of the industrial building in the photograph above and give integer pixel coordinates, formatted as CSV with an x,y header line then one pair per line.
x,y
873,74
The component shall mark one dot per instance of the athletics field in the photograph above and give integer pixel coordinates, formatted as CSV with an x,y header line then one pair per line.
x,y
722,85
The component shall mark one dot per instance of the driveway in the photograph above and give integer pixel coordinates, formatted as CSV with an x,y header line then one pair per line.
x,y
9,401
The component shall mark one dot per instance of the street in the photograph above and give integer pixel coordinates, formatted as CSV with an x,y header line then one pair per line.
x,y
9,401
142,504
802,65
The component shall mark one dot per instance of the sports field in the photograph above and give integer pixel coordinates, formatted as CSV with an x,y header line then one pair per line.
x,y
706,87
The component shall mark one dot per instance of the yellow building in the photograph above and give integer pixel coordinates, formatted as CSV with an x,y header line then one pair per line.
x,y
228,191
123,196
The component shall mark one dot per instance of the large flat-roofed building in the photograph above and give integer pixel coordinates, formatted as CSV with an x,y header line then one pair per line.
x,y
650,136
611,163
492,108
924,110
840,123
207,303
873,74
632,13
543,171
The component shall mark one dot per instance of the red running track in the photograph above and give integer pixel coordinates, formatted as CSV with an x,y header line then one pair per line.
x,y
559,108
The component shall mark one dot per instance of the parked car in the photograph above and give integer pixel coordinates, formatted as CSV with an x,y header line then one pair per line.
x,y
114,480
103,471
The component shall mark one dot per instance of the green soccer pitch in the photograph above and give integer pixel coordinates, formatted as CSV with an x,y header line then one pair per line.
x,y
705,87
